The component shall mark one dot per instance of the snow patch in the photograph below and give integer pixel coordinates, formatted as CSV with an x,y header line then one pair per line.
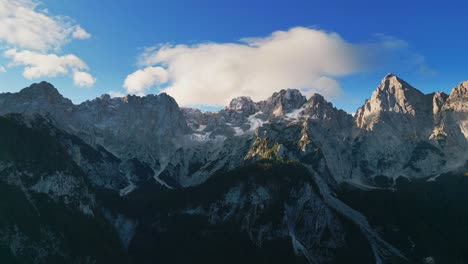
x,y
238,131
255,122
201,128
295,113
201,137
204,138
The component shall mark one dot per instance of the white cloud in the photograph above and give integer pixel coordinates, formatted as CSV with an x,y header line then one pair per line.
x,y
2,69
37,65
212,73
80,33
33,38
139,81
114,94
83,79
303,58
23,26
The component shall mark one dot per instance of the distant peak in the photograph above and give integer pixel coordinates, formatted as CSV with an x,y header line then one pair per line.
x,y
316,101
42,93
440,94
241,103
391,84
42,88
105,97
289,93
285,101
389,75
43,85
392,78
317,97
460,90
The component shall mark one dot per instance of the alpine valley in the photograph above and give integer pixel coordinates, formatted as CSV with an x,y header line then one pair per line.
x,y
286,180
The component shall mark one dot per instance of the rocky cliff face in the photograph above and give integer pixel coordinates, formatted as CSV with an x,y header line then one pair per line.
x,y
399,131
48,182
147,128
398,106
125,156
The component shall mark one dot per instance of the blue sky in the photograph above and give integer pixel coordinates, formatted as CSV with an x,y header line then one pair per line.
x,y
433,33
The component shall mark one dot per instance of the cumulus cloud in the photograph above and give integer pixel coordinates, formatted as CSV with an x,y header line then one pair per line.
x,y
32,38
80,33
307,59
43,65
23,26
139,81
2,69
83,79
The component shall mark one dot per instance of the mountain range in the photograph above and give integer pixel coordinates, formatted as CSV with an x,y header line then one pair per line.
x,y
286,180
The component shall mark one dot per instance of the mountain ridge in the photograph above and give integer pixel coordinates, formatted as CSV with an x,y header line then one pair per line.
x,y
285,179
172,139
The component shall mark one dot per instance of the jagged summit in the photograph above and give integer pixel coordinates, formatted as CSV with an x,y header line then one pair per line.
x,y
389,75
42,98
318,106
393,84
453,117
139,147
284,101
393,95
316,99
461,90
288,95
241,104
43,90
43,86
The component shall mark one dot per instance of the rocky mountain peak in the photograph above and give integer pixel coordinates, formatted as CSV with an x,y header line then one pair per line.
x,y
458,98
105,97
43,87
43,91
242,104
39,98
317,106
454,118
316,100
284,101
389,76
460,91
392,85
393,95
